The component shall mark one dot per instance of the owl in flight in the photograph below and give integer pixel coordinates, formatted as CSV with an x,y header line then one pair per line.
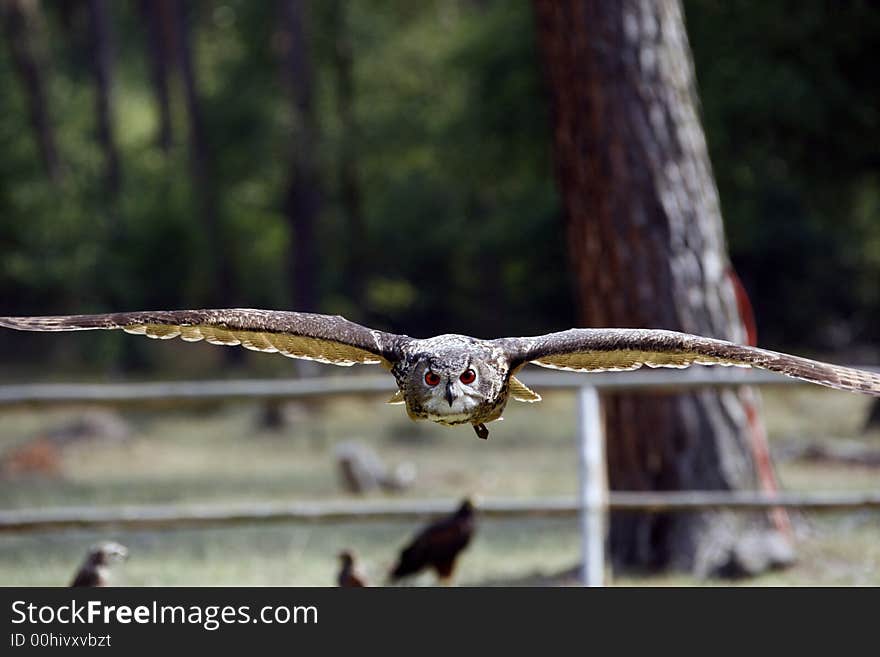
x,y
452,379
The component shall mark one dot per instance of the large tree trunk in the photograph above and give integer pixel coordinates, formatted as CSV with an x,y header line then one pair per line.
x,y
19,18
302,199
647,250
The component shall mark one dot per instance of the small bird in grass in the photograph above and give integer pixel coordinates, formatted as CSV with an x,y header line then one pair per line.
x,y
94,571
438,545
348,576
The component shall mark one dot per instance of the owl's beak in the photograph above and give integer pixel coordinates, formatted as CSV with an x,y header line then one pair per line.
x,y
450,393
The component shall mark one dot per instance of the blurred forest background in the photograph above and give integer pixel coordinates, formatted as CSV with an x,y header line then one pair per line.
x,y
391,161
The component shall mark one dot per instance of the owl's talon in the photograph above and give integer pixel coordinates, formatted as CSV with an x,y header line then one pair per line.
x,y
482,431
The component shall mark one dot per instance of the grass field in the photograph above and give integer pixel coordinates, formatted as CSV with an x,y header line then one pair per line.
x,y
220,456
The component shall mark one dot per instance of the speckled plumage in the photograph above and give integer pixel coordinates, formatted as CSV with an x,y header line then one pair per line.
x,y
450,358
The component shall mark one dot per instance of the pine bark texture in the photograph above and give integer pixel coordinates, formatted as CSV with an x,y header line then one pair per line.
x,y
647,249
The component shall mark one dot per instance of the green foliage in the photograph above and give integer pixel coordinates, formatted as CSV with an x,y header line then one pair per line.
x,y
451,146
792,113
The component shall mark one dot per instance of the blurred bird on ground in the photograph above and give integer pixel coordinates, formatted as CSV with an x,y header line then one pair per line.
x,y
362,470
438,545
349,576
94,570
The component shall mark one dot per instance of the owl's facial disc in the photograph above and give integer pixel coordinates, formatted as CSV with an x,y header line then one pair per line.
x,y
451,392
451,389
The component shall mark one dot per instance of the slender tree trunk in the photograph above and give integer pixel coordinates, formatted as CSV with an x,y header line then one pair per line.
x,y
873,420
110,267
201,159
302,199
349,179
647,250
102,69
158,29
19,19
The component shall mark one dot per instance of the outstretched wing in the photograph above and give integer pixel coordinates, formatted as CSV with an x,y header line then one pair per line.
x,y
599,350
324,338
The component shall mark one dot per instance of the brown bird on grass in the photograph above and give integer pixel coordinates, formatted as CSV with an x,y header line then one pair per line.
x,y
94,571
438,545
349,577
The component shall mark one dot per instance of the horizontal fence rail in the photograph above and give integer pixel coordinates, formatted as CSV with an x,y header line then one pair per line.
x,y
592,504
179,516
180,392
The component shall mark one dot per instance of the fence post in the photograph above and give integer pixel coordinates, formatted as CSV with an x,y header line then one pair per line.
x,y
593,486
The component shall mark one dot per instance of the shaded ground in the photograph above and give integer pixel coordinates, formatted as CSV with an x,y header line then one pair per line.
x,y
221,457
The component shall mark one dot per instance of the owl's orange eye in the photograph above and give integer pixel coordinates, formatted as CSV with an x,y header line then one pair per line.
x,y
468,376
432,378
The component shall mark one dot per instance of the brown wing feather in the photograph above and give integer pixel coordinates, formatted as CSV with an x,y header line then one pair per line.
x,y
521,392
324,338
596,350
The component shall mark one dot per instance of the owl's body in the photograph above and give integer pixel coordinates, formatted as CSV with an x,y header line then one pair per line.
x,y
453,379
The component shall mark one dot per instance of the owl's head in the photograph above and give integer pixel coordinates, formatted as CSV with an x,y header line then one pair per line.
x,y
450,379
